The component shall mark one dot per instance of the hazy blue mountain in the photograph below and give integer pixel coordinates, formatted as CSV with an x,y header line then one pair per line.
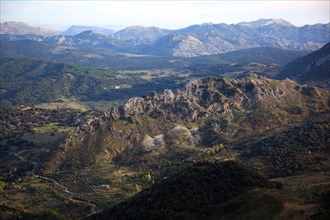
x,y
19,28
196,40
76,29
83,39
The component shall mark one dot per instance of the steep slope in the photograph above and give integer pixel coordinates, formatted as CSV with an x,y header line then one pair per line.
x,y
20,28
76,29
194,193
313,68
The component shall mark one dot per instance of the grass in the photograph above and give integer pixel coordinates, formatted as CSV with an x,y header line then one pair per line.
x,y
63,103
73,103
100,105
46,134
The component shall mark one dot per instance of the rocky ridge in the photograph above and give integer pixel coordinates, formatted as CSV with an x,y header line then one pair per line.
x,y
204,112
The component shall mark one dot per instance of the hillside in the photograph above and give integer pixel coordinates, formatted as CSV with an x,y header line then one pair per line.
x,y
194,193
291,150
311,69
28,81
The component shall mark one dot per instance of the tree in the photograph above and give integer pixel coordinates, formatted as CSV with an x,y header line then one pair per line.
x,y
148,177
2,186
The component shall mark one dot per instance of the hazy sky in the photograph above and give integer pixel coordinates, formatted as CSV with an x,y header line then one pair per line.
x,y
165,14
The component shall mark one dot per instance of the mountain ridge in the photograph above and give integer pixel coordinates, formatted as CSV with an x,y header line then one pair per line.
x,y
206,38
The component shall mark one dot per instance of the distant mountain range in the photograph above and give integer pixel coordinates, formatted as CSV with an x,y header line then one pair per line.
x,y
195,40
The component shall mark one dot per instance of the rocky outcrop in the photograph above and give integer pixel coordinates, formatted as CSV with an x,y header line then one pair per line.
x,y
211,96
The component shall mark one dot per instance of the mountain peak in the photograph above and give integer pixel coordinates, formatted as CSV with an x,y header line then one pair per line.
x,y
265,22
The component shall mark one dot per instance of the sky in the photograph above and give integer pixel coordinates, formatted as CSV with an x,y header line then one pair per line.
x,y
61,14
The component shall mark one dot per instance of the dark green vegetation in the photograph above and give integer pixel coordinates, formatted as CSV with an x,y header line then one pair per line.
x,y
28,81
312,68
193,193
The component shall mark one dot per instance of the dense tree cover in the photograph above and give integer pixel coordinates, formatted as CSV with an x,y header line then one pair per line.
x,y
294,150
192,192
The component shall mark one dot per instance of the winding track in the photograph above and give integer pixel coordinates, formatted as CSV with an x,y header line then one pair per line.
x,y
66,189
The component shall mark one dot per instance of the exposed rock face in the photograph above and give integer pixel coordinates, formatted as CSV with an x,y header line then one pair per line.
x,y
209,96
